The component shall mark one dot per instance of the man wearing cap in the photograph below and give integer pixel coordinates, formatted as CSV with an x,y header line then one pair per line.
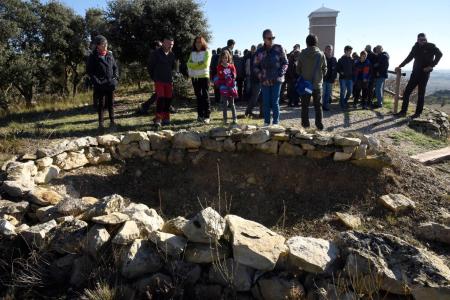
x,y
161,65
426,56
103,72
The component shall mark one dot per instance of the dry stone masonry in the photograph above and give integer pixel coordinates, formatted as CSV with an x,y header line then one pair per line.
x,y
210,255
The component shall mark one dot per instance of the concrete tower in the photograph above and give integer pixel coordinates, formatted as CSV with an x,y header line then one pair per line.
x,y
322,22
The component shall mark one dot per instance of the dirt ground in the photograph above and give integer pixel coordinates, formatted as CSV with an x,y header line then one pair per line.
x,y
295,196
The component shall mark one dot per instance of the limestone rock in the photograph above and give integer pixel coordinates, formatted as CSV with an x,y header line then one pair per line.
x,y
360,152
15,209
346,141
172,245
239,276
269,147
46,174
253,244
69,237
113,218
144,216
73,160
72,206
281,137
127,233
434,232
106,205
44,162
144,145
95,239
205,227
140,258
257,137
108,140
348,220
175,226
158,142
219,132
205,253
44,197
134,136
278,287
10,219
19,180
397,202
317,154
6,228
36,236
342,156
274,129
287,149
392,264
311,254
186,140
323,139
47,213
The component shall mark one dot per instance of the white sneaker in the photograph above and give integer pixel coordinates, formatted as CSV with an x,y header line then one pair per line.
x,y
207,121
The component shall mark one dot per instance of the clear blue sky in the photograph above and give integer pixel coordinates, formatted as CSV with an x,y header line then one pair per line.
x,y
393,24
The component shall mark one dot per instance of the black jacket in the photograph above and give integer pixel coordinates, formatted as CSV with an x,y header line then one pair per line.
x,y
424,56
345,68
160,66
213,65
240,66
381,65
331,70
103,72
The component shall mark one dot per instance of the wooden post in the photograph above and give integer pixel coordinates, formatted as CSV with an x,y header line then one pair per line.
x,y
397,89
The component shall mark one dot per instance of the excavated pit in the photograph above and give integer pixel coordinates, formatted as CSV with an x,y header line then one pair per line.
x,y
283,192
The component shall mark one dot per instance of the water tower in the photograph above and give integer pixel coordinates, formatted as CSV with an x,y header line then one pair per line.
x,y
322,22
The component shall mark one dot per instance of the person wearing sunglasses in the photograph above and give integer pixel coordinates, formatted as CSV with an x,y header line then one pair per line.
x,y
270,66
426,56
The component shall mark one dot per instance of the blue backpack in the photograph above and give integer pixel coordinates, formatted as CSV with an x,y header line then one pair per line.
x,y
306,87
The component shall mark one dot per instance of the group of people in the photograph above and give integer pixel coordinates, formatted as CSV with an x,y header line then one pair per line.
x,y
266,71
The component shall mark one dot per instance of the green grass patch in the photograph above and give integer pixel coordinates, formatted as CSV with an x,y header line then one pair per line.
x,y
420,140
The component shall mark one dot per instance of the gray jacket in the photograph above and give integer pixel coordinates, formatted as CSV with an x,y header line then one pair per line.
x,y
306,63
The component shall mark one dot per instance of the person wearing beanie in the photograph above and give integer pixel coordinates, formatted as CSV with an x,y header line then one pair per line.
x,y
426,56
104,74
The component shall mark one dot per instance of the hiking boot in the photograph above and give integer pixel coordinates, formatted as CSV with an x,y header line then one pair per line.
x,y
400,114
415,116
200,119
165,122
112,126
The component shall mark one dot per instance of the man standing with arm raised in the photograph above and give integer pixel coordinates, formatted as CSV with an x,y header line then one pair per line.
x,y
426,56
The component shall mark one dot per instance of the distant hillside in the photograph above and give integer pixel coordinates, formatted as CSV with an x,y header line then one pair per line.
x,y
439,80
441,97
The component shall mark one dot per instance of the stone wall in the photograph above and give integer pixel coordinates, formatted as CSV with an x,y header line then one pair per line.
x,y
174,147
208,256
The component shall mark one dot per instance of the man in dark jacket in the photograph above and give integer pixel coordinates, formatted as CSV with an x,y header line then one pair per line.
x,y
426,56
213,73
102,70
291,76
380,72
345,69
240,72
329,78
161,65
312,66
